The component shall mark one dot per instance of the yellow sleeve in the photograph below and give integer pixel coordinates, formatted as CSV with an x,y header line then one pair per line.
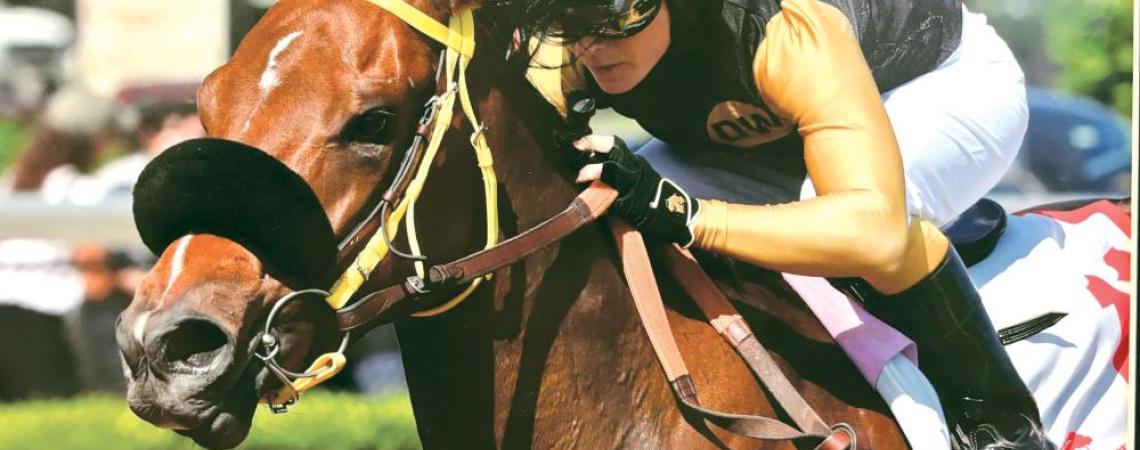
x,y
810,68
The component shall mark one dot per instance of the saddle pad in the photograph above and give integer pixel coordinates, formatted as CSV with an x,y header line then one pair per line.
x,y
1074,262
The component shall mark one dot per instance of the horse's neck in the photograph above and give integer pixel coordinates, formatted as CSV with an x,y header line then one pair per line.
x,y
476,372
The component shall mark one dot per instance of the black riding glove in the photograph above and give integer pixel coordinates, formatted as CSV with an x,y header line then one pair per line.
x,y
655,205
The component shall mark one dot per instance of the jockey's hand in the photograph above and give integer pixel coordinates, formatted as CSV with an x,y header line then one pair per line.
x,y
655,205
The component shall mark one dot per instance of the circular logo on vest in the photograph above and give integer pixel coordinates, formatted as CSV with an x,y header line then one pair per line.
x,y
745,125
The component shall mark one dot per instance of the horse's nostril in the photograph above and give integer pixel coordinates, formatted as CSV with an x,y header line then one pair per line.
x,y
193,342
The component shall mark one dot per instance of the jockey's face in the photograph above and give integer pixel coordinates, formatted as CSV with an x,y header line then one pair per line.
x,y
620,64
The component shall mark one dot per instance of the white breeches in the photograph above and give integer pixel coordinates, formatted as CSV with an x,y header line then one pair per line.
x,y
960,126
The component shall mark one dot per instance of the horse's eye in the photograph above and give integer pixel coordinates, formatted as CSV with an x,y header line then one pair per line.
x,y
374,126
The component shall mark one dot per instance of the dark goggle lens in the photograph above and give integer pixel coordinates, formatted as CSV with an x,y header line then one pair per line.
x,y
627,18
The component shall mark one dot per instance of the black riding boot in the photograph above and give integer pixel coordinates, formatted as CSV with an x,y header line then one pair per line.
x,y
987,406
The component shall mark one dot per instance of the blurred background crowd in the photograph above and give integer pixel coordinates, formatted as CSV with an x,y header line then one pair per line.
x,y
90,90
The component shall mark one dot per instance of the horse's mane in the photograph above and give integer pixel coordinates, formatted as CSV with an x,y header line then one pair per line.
x,y
541,115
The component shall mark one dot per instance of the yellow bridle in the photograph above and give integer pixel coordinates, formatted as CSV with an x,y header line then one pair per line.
x,y
459,38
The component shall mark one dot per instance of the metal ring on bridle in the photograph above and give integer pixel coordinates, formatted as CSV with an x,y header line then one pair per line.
x,y
272,344
850,430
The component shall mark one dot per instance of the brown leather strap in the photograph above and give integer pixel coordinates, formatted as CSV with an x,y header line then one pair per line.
x,y
381,306
766,428
389,303
732,327
647,302
724,317
585,209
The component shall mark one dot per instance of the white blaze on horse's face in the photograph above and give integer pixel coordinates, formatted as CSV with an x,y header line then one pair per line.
x,y
269,78
176,265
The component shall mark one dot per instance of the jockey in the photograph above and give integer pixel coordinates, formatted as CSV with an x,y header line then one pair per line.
x,y
774,147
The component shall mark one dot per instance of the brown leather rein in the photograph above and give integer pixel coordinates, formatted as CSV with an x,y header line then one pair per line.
x,y
397,301
413,294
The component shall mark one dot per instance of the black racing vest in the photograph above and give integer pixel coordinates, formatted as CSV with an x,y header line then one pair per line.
x,y
707,69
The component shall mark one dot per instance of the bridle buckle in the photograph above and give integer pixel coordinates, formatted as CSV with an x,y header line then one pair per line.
x,y
416,285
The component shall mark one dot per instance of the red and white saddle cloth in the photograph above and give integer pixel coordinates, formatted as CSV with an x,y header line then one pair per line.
x,y
1073,262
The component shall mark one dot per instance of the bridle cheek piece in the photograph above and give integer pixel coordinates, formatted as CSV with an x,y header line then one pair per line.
x,y
396,203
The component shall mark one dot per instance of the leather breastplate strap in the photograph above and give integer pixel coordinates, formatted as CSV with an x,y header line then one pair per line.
x,y
731,326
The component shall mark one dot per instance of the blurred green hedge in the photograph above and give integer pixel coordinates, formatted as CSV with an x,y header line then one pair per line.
x,y
321,421
12,136
1083,47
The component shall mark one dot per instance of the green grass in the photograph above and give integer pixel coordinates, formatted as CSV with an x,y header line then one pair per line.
x,y
321,421
12,137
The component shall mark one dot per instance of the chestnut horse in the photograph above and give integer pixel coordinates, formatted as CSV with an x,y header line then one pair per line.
x,y
549,354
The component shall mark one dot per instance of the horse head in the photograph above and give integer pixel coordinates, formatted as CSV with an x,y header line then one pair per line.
x,y
312,113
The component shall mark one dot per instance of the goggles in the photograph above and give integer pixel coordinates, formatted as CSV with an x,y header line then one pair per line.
x,y
616,20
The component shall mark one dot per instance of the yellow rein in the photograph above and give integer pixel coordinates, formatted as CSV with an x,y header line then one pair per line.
x,y
459,38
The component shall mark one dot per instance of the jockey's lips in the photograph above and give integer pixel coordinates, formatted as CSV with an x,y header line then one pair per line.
x,y
606,71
